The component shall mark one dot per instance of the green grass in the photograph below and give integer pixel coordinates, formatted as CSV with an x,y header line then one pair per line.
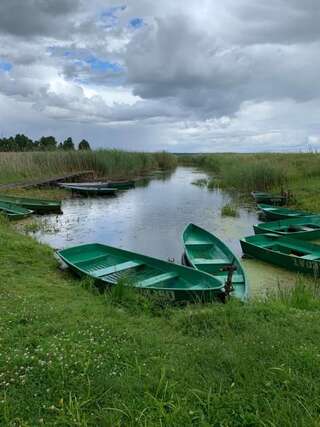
x,y
105,163
72,357
229,210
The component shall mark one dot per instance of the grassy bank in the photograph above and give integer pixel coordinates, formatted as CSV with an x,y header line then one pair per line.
x,y
106,163
70,357
299,172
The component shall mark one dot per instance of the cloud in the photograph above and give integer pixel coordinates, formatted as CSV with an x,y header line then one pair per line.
x,y
238,75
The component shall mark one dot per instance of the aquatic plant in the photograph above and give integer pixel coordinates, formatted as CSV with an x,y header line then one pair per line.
x,y
201,182
229,210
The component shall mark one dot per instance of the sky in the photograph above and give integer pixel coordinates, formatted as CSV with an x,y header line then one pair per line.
x,y
180,76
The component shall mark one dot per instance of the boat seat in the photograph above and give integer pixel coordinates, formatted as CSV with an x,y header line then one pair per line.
x,y
116,268
95,258
198,242
210,261
311,256
157,279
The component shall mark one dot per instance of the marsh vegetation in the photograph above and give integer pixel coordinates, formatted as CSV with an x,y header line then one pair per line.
x,y
105,163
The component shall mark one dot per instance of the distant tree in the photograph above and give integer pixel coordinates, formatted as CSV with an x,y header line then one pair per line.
x,y
84,145
22,143
68,144
47,143
7,144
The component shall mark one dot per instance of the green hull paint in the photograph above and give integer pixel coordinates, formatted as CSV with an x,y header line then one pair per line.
x,y
306,227
292,254
106,265
92,190
268,198
274,213
13,211
36,205
121,185
205,252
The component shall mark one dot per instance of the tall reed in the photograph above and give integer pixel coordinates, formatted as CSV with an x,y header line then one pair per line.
x,y
263,171
105,163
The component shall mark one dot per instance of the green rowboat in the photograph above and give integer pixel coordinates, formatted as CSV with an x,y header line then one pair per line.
x,y
90,190
292,254
305,227
269,198
274,213
13,211
121,185
40,206
205,252
107,265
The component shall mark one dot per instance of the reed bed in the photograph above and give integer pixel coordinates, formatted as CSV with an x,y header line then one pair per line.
x,y
106,163
264,171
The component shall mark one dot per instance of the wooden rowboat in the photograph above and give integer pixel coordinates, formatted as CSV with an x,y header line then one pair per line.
x,y
107,265
274,213
13,211
269,198
90,190
292,254
205,252
40,206
305,227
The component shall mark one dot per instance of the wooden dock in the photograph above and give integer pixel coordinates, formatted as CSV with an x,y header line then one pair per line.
x,y
48,181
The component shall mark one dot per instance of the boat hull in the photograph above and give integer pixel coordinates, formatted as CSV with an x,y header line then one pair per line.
x,y
291,254
39,206
14,212
273,213
92,191
205,252
306,228
272,199
117,185
107,265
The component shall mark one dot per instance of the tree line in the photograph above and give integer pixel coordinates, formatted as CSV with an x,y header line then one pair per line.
x,y
21,142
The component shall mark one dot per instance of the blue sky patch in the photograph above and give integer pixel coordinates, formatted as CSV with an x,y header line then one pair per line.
x,y
5,66
102,65
110,16
136,23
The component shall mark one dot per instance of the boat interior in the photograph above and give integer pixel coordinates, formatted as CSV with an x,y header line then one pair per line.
x,y
210,258
112,267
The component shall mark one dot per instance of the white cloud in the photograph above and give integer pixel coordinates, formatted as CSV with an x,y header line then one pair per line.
x,y
205,76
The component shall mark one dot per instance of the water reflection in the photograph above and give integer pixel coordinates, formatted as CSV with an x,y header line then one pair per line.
x,y
150,219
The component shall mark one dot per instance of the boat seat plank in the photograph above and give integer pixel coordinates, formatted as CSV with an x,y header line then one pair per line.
x,y
157,279
198,242
210,261
116,268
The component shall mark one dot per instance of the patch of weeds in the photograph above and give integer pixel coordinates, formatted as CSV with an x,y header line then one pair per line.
x,y
202,182
303,296
31,227
229,210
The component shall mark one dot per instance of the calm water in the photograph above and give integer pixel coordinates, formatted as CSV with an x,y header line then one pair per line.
x,y
151,218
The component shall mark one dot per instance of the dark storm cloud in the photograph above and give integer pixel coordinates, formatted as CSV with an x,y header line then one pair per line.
x,y
25,18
